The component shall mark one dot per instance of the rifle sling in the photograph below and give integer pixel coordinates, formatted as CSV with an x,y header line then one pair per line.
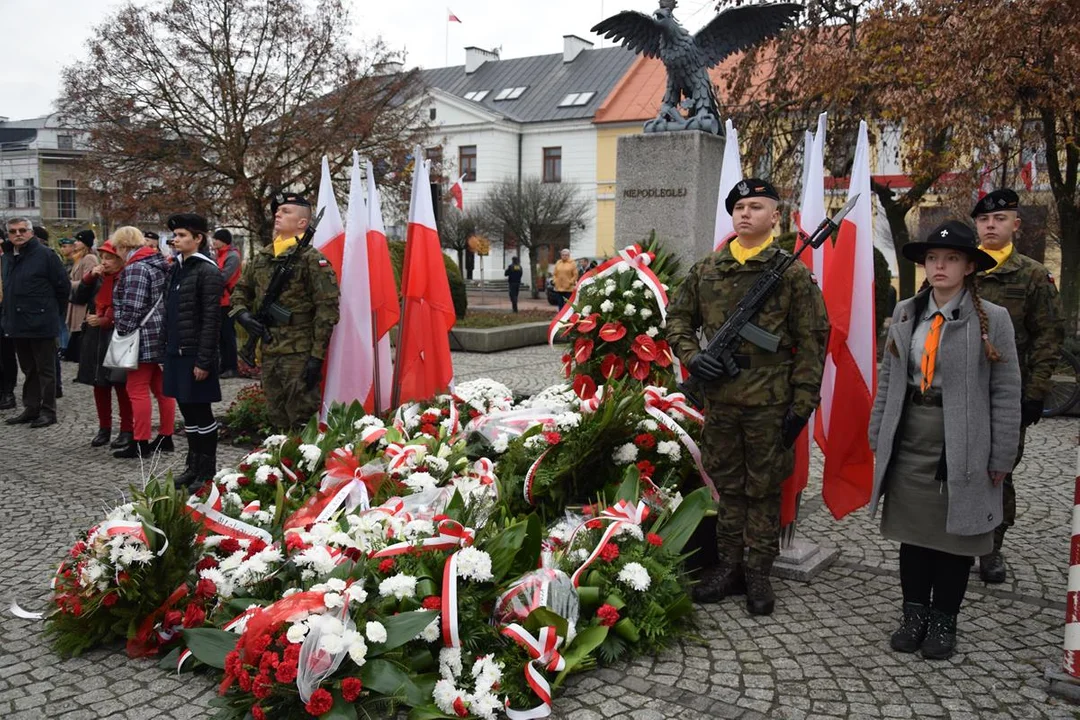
x,y
750,362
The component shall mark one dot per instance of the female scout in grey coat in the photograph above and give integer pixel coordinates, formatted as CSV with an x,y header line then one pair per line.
x,y
944,430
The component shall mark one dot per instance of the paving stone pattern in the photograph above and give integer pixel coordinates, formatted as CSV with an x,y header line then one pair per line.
x,y
823,654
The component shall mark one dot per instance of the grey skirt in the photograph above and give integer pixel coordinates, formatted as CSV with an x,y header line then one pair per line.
x,y
916,504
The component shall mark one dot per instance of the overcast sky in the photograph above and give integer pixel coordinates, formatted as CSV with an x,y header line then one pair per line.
x,y
45,35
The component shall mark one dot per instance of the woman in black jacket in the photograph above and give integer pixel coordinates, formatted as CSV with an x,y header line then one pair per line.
x,y
192,324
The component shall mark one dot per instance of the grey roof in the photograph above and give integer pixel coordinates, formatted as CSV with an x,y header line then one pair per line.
x,y
548,78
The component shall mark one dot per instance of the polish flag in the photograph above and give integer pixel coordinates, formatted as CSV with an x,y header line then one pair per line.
x,y
424,366
849,297
986,181
330,235
1028,174
730,176
351,359
457,192
811,213
451,17
386,309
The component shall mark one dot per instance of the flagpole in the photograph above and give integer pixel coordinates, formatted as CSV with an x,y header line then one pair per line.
x,y
446,41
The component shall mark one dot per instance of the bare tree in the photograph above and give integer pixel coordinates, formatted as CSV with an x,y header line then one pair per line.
x,y
214,105
534,214
455,229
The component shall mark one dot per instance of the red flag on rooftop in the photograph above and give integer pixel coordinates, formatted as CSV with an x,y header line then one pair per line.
x,y
451,17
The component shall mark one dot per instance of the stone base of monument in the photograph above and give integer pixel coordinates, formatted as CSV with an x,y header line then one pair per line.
x,y
803,560
1062,685
668,183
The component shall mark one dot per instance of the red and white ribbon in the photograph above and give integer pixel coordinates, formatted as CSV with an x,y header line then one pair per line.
x,y
622,513
134,528
657,403
1071,661
593,404
399,455
530,476
638,261
371,435
545,654
450,534
209,515
253,507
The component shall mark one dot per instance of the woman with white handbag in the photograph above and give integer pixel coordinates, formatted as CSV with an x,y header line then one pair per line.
x,y
138,342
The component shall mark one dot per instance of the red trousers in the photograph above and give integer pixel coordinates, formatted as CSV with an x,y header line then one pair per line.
x,y
140,384
103,401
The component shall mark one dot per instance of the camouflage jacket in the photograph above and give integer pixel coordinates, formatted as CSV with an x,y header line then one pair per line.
x,y
312,296
1026,289
795,312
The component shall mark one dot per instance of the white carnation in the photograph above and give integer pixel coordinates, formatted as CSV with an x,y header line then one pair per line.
x,y
628,293
645,313
356,593
625,454
607,306
652,331
357,647
501,443
586,311
375,631
368,421
648,425
669,448
635,576
400,586
333,600
274,441
297,633
637,284
263,474
421,481
312,454
474,565
629,309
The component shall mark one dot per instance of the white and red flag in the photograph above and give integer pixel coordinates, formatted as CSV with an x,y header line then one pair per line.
x,y
451,17
1028,173
457,192
351,358
330,235
424,366
730,176
986,181
386,310
849,298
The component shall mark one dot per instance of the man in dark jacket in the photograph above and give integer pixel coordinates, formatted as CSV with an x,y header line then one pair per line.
x,y
36,289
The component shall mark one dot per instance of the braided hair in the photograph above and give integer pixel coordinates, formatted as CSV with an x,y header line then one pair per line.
x,y
972,284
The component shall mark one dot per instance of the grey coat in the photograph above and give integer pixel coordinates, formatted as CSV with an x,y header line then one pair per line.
x,y
981,403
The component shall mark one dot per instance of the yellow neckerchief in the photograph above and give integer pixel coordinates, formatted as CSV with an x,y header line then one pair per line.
x,y
999,255
282,244
742,254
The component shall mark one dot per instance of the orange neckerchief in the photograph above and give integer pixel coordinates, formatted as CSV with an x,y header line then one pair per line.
x,y
930,348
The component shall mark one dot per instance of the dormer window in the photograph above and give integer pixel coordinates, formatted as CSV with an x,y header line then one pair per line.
x,y
576,99
476,95
511,93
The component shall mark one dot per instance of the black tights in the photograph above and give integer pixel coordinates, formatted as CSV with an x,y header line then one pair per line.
x,y
924,572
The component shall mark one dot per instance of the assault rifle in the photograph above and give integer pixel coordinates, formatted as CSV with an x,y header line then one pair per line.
x,y
270,312
738,326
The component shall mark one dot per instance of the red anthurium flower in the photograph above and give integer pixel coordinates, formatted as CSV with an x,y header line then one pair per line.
x,y
567,360
584,387
664,355
639,370
612,331
582,350
644,347
612,366
587,324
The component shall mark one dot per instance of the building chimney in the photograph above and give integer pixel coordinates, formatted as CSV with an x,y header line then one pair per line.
x,y
475,57
572,47
390,67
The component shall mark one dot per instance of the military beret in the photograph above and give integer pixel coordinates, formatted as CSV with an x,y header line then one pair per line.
x,y
86,237
223,235
1003,199
950,235
192,222
751,187
288,198
151,235
66,241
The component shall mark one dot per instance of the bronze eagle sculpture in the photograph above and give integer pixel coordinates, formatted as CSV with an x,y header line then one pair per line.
x,y
688,58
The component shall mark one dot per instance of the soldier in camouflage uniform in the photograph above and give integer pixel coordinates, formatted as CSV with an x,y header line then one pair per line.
x,y
753,419
292,362
1026,289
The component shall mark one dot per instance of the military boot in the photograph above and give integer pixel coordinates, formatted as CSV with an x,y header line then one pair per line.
x,y
909,636
718,582
760,599
940,641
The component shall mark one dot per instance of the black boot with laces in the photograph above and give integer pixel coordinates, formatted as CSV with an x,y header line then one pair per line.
x,y
909,636
940,642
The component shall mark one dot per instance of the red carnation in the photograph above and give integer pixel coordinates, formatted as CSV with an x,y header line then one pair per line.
x,y
78,549
229,545
645,441
612,366
243,481
76,608
429,417
350,688
584,387
582,350
320,703
110,600
644,347
208,562
428,429
194,616
386,565
244,680
460,709
567,363
646,468
268,661
205,588
233,665
654,539
607,615
293,541
639,369
286,672
612,331
552,438
609,553
587,325
257,713
594,524
663,354
287,462
262,686
292,653
432,602
172,619
256,546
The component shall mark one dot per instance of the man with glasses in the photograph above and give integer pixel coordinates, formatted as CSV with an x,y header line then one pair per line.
x,y
36,289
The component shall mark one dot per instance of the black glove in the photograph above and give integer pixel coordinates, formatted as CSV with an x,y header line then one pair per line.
x,y
791,427
249,323
1031,412
705,367
312,372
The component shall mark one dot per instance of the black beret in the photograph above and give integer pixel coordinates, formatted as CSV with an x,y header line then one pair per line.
x,y
223,235
192,222
1003,199
950,235
751,187
288,198
151,235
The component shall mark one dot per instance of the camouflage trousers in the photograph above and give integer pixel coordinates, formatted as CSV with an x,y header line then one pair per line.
x,y
1008,498
743,454
289,403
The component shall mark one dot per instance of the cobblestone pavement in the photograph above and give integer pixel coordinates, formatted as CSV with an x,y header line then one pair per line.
x,y
823,654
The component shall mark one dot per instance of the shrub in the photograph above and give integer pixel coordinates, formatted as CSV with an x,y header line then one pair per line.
x,y
248,415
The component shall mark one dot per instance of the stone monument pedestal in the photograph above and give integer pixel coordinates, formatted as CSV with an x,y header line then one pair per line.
x,y
802,560
668,182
